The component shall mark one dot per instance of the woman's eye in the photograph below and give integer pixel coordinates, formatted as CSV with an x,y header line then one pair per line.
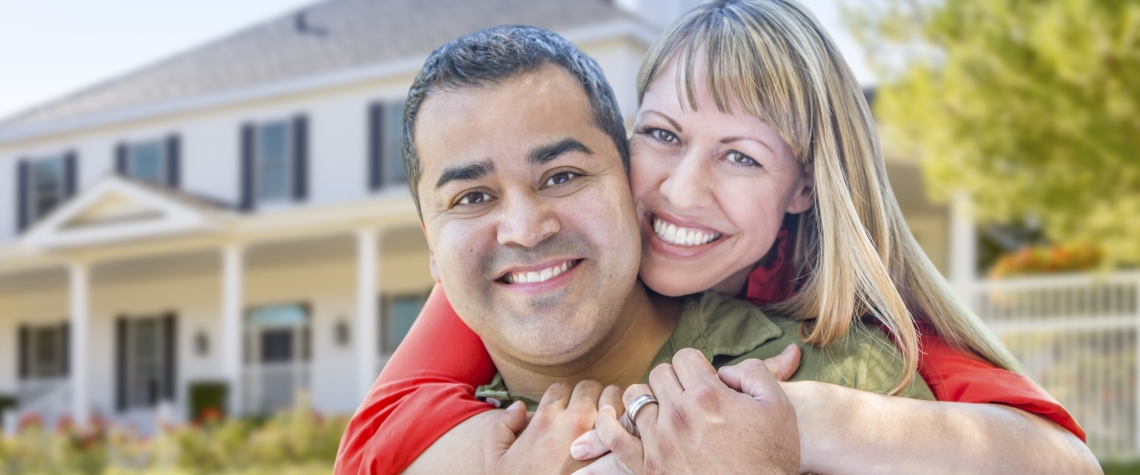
x,y
474,197
663,135
559,178
740,159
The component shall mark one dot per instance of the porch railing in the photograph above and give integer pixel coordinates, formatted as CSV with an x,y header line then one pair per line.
x,y
1076,335
47,398
271,386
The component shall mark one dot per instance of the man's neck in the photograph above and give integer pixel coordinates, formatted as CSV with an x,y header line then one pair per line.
x,y
621,359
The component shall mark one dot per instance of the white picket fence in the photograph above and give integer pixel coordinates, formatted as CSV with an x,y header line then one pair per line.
x,y
1076,334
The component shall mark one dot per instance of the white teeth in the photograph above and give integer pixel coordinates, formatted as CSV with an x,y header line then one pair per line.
x,y
672,234
539,276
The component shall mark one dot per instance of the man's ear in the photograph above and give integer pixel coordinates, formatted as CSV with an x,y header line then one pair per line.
x,y
431,257
805,196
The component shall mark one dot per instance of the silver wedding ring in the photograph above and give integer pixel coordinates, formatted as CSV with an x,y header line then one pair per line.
x,y
631,412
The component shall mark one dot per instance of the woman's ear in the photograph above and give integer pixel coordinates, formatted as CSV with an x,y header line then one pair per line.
x,y
804,196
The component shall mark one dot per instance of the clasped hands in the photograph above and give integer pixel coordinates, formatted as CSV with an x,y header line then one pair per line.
x,y
736,420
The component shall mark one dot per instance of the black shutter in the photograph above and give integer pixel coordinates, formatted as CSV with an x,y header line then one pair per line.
x,y
170,353
173,161
70,170
23,169
300,158
65,348
121,159
121,363
376,146
22,349
246,174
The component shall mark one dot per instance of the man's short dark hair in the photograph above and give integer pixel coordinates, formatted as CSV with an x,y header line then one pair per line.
x,y
491,56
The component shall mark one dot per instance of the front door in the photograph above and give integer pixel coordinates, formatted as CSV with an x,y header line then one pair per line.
x,y
277,356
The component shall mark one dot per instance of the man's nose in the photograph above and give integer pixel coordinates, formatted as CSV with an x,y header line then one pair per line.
x,y
688,185
526,221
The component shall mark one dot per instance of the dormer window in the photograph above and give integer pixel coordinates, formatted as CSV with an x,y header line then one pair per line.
x,y
153,161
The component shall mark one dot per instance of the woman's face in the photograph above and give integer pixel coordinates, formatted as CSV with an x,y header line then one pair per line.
x,y
711,189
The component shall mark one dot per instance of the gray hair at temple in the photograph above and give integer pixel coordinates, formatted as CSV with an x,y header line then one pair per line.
x,y
491,56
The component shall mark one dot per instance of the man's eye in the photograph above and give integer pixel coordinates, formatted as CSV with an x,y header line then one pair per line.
x,y
474,197
559,178
741,159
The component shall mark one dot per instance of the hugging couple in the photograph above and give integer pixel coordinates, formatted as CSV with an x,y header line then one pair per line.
x,y
729,289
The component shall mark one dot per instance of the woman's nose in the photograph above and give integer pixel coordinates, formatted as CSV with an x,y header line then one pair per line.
x,y
688,186
526,221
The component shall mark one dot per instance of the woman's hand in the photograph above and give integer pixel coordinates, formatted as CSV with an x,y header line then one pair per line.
x,y
738,421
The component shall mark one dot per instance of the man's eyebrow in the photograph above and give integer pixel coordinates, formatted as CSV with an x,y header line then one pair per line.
x,y
472,171
546,153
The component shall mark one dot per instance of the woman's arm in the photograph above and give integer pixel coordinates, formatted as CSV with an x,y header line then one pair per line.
x,y
848,431
426,388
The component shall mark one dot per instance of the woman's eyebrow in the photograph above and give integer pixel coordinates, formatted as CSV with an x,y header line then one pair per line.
x,y
728,140
667,118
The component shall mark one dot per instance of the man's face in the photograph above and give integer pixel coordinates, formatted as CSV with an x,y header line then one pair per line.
x,y
528,214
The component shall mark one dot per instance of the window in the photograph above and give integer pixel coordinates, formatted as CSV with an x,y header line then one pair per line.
x,y
394,144
154,161
43,351
47,186
274,162
147,162
397,318
386,163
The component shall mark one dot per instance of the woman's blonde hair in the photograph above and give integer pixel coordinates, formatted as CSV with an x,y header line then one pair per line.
x,y
855,256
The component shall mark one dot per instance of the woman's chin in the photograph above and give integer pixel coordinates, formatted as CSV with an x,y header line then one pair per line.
x,y
671,281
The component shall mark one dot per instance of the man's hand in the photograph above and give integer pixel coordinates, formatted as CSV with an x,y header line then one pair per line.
x,y
563,414
737,421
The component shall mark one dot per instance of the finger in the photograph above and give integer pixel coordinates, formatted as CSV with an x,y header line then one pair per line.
x,y
558,394
753,378
665,385
611,396
692,369
608,465
646,422
585,396
784,365
731,375
624,445
501,429
588,446
634,391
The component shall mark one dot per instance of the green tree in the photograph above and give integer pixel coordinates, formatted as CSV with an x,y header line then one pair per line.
x,y
1032,107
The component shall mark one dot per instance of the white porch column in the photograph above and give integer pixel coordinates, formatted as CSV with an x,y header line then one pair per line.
x,y
232,298
80,310
367,309
963,246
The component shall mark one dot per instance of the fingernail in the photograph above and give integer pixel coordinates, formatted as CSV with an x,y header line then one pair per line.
x,y
578,451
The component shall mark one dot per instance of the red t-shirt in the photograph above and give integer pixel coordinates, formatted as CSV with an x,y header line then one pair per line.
x,y
428,386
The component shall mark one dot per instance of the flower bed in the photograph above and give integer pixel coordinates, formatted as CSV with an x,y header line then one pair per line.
x,y
294,442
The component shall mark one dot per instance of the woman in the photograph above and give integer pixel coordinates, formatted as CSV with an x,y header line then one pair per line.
x,y
758,174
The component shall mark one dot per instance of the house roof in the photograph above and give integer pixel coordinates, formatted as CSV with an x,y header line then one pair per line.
x,y
324,37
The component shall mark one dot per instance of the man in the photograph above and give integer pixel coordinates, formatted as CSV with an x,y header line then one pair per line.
x,y
517,160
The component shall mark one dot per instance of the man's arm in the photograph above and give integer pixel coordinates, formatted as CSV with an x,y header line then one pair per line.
x,y
460,450
844,430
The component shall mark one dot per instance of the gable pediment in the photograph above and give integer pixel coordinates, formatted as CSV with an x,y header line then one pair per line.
x,y
117,209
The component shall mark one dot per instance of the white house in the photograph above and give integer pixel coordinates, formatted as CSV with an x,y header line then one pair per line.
x,y
237,215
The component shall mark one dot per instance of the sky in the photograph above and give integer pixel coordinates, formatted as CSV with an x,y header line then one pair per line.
x,y
50,48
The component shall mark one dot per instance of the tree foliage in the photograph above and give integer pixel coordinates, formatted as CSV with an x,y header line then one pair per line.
x,y
1032,107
